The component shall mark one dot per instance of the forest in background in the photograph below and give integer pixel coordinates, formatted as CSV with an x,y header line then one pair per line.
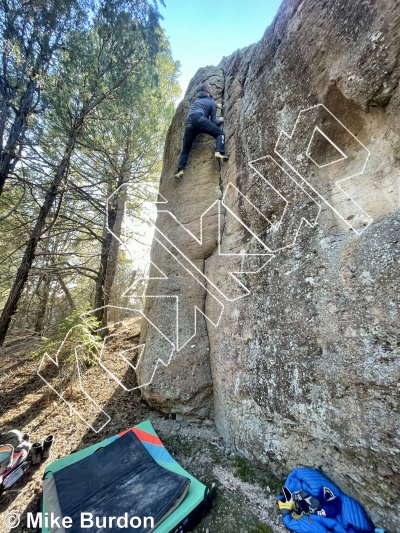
x,y
87,91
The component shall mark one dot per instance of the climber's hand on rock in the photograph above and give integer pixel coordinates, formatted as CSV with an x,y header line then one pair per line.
x,y
221,119
219,106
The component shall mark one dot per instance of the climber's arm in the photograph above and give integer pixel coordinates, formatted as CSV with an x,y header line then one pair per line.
x,y
213,114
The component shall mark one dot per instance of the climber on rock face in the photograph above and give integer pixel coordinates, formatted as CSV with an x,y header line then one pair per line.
x,y
202,119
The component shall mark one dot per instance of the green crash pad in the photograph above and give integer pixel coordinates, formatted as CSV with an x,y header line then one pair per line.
x,y
195,498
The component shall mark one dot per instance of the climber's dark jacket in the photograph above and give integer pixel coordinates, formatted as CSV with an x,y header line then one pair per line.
x,y
201,119
206,106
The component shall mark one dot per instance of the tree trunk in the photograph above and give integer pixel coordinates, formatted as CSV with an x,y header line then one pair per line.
x,y
114,249
66,292
109,254
42,292
100,301
11,152
11,305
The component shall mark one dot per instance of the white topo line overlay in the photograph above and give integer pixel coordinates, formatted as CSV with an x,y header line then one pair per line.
x,y
360,159
184,262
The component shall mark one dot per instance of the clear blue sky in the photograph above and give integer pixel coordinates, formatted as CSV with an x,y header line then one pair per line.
x,y
201,32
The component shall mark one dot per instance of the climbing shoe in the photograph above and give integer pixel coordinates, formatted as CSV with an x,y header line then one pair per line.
x,y
46,446
221,157
35,453
179,174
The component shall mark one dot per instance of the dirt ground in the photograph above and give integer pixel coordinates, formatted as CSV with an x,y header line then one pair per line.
x,y
245,494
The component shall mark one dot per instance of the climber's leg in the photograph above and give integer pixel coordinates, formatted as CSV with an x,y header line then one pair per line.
x,y
188,138
206,126
220,142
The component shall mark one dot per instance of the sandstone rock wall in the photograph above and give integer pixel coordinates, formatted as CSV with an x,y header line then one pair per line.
x,y
298,352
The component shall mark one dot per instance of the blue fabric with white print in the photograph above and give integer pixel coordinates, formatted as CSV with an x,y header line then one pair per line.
x,y
338,514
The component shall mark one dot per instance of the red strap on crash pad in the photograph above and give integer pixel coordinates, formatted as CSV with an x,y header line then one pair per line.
x,y
143,436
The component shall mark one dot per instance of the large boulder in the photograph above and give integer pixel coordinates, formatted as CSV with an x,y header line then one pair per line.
x,y
299,353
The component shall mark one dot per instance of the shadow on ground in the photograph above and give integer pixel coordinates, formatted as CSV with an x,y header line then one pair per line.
x,y
245,498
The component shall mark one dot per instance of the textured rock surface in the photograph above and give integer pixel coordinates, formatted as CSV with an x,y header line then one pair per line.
x,y
184,386
305,368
